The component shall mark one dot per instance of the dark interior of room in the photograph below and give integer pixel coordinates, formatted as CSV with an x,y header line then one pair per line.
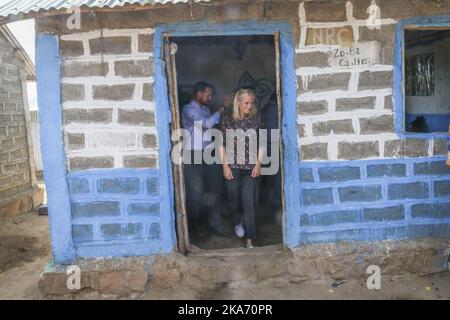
x,y
230,63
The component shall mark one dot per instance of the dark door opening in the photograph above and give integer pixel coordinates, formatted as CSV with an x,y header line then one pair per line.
x,y
228,63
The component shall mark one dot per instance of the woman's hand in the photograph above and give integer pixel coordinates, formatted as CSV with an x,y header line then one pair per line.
x,y
256,172
227,173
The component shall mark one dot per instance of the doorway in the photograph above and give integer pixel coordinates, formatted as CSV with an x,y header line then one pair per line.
x,y
170,178
227,63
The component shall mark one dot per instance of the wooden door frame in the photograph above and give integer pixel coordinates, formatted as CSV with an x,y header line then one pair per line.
x,y
177,169
287,85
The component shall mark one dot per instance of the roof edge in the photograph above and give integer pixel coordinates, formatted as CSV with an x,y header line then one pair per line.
x,y
8,13
20,51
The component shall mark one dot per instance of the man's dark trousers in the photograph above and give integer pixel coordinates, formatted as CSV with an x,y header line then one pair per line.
x,y
203,188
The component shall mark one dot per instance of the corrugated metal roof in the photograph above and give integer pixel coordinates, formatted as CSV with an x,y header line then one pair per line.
x,y
14,7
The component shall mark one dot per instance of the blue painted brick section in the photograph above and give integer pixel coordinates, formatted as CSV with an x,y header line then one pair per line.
x,y
128,231
336,217
153,185
339,174
415,190
306,175
95,209
82,233
377,234
432,210
395,233
360,193
431,168
316,197
154,231
386,170
442,188
412,231
384,214
329,236
417,231
119,185
148,209
304,219
78,185
429,231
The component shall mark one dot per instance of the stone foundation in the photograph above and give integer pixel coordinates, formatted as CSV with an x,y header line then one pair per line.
x,y
113,277
262,267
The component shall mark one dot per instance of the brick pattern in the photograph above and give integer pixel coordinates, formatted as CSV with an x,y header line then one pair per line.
x,y
343,114
107,99
346,112
14,161
374,194
115,207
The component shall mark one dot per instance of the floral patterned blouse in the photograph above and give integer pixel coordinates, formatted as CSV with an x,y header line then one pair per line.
x,y
244,161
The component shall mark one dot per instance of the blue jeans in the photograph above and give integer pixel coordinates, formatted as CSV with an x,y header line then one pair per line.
x,y
243,192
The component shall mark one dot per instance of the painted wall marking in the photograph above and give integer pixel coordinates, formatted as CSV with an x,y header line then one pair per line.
x,y
356,55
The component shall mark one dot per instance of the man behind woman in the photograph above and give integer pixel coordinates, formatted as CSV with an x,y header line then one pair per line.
x,y
203,181
241,171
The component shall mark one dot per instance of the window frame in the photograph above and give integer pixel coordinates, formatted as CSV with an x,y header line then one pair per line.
x,y
416,23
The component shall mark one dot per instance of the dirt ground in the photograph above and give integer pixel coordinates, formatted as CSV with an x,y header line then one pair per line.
x,y
434,287
25,251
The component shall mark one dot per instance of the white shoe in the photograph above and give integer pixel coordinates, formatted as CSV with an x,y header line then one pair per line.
x,y
239,230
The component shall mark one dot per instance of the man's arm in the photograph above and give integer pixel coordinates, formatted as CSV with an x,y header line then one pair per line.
x,y
193,115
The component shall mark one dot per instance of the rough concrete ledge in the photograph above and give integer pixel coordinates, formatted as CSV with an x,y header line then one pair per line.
x,y
21,203
259,268
109,277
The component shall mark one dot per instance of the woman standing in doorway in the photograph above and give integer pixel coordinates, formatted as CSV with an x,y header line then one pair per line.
x,y
241,156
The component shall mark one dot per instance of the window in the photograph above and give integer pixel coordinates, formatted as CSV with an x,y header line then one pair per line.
x,y
426,72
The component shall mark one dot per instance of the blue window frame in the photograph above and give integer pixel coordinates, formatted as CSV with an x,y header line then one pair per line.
x,y
399,81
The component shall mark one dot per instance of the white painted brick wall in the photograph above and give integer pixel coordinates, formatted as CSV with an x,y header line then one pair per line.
x,y
113,139
306,74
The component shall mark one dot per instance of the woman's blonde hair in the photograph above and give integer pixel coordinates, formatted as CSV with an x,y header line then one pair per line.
x,y
237,98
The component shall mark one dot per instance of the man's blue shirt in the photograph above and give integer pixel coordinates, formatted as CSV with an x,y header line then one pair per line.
x,y
193,112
